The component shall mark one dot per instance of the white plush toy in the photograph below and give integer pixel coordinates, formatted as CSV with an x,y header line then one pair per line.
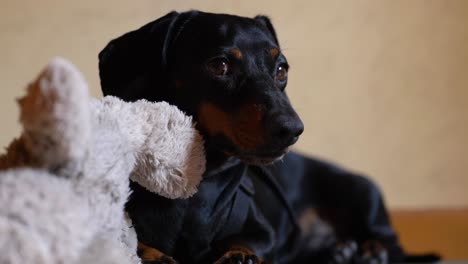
x,y
65,180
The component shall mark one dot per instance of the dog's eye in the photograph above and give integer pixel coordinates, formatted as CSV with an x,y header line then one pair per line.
x,y
218,66
282,72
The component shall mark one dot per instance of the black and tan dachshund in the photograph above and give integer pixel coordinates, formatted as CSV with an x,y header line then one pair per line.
x,y
230,74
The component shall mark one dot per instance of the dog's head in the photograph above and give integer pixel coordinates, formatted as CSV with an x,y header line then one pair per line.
x,y
227,71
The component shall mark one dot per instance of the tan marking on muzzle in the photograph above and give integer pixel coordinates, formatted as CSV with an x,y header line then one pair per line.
x,y
214,120
244,128
250,126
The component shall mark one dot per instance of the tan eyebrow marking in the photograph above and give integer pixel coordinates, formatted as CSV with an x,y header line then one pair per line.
x,y
237,53
274,52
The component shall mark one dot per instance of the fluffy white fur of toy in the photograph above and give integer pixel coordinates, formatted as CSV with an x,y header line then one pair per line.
x,y
65,180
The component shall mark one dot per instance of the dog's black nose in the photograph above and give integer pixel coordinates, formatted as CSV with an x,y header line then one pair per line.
x,y
286,131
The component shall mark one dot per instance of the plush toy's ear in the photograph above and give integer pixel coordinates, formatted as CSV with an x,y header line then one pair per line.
x,y
265,21
134,65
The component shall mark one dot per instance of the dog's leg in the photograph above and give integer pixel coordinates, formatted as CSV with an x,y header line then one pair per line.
x,y
372,252
239,254
151,255
343,253
349,253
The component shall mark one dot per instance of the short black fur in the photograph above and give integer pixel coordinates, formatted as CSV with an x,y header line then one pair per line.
x,y
229,73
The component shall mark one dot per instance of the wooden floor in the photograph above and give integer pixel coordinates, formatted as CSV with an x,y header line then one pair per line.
x,y
441,231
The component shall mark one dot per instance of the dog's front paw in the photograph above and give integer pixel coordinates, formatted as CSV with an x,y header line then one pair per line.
x,y
239,255
343,253
151,255
162,260
371,252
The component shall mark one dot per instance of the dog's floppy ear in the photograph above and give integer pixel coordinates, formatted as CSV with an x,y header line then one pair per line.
x,y
133,66
265,21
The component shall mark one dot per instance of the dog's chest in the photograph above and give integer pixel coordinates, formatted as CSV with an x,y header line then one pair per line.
x,y
214,212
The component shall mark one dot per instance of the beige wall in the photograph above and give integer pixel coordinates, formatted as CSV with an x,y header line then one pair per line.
x,y
382,86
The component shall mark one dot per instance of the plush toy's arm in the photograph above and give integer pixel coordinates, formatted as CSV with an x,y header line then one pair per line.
x,y
171,161
168,150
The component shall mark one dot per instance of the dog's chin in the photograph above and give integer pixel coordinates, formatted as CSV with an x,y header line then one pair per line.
x,y
258,157
258,161
253,158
